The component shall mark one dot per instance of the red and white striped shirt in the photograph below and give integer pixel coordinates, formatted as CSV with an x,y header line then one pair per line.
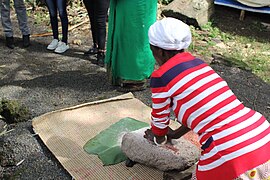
x,y
202,101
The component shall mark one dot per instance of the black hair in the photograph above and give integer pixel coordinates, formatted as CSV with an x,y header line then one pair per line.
x,y
174,52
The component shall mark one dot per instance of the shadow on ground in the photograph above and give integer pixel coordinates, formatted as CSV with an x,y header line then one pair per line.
x,y
45,81
227,20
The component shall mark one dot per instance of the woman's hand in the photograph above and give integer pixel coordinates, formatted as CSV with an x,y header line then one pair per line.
x,y
170,135
152,138
148,134
176,134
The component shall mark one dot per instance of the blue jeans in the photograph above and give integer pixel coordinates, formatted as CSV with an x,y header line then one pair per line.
x,y
61,7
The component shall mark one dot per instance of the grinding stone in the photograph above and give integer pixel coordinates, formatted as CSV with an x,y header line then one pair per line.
x,y
180,156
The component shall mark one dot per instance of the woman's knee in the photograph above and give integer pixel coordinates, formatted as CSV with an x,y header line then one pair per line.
x,y
19,4
63,14
52,9
62,8
101,23
53,14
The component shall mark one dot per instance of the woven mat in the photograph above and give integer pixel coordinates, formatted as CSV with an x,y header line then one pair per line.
x,y
66,131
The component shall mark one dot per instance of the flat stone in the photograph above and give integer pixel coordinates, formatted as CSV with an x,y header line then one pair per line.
x,y
182,155
192,12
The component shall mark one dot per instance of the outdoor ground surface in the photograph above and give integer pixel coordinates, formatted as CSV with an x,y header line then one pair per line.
x,y
45,81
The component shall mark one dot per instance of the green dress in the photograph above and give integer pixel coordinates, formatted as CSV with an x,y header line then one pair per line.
x,y
128,56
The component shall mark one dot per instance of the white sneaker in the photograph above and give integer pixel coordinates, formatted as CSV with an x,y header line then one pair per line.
x,y
61,48
53,45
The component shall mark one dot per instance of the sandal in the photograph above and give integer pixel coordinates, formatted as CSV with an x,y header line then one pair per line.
x,y
91,51
131,87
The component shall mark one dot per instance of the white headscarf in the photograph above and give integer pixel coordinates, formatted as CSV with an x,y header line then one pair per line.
x,y
170,34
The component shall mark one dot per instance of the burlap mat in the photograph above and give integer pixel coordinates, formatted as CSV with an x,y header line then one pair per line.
x,y
66,131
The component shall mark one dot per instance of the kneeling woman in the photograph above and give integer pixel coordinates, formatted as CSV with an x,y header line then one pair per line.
x,y
235,139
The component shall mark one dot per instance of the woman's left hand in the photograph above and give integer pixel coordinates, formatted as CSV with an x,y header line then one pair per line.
x,y
148,134
150,137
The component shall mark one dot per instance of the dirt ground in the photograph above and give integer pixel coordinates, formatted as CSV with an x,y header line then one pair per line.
x,y
45,81
227,19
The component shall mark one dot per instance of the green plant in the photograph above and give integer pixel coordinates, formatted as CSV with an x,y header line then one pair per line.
x,y
41,16
12,111
246,53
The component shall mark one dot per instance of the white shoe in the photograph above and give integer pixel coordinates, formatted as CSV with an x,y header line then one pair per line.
x,y
53,45
61,48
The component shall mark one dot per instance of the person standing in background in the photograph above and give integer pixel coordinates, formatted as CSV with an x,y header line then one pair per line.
x,y
129,59
97,12
59,46
22,19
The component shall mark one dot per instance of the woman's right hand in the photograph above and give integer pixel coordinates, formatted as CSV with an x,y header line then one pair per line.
x,y
170,135
148,134
176,134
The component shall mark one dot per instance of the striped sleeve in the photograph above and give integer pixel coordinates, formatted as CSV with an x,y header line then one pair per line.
x,y
160,116
165,84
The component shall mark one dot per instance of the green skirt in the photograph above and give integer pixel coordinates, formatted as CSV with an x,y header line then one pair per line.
x,y
128,56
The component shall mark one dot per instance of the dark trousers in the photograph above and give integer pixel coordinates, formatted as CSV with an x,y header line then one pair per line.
x,y
97,11
61,7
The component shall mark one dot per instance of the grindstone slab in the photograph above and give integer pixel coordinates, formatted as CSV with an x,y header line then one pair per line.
x,y
180,156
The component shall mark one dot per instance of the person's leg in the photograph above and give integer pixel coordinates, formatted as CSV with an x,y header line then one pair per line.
x,y
101,17
51,4
22,19
5,18
91,8
6,23
102,11
62,9
21,16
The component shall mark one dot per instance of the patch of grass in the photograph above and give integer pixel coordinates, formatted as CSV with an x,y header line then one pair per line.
x,y
13,112
41,16
255,54
238,49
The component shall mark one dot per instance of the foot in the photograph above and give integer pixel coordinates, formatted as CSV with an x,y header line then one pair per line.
x,y
132,87
91,51
26,40
53,45
130,163
10,42
61,48
100,58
